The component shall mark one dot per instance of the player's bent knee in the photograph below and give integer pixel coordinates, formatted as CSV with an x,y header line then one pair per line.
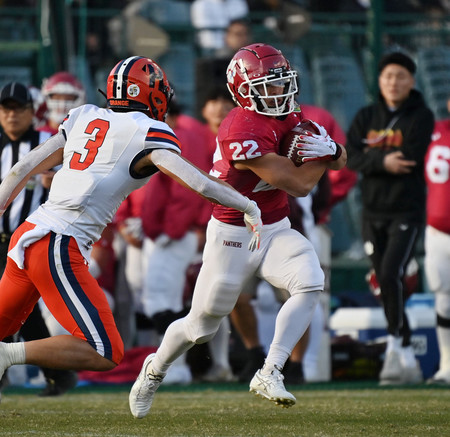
x,y
201,330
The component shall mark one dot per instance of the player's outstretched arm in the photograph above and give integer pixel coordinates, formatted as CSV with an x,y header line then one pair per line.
x,y
207,186
44,157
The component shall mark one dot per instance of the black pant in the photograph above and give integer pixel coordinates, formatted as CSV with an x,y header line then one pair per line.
x,y
390,245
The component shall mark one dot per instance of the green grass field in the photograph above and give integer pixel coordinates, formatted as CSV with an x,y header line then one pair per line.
x,y
322,410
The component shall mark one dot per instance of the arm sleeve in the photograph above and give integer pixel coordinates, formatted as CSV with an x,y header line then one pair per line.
x,y
198,181
21,171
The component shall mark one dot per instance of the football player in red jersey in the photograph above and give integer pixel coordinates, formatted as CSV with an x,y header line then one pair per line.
x,y
264,86
106,153
437,239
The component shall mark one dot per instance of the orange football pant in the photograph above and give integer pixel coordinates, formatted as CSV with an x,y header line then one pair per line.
x,y
55,270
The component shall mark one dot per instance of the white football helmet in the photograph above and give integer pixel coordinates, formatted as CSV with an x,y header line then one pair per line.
x,y
62,92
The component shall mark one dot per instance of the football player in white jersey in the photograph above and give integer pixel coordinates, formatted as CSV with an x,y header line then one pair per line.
x,y
264,86
105,155
437,239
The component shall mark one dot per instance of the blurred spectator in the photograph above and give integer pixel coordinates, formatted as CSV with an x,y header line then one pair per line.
x,y
174,223
211,18
215,108
386,143
238,34
217,104
437,240
211,68
128,247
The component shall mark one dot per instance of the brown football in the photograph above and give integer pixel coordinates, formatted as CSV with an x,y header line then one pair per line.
x,y
290,144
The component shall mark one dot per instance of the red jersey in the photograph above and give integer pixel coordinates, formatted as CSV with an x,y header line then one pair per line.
x,y
437,176
245,135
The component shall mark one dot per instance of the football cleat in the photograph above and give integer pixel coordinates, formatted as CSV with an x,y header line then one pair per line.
x,y
58,382
271,387
391,372
219,374
442,377
144,389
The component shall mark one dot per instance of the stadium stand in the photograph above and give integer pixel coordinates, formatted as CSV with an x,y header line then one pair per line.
x,y
338,85
433,73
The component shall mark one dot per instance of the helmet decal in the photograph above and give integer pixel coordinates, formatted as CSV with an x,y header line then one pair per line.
x,y
139,83
133,90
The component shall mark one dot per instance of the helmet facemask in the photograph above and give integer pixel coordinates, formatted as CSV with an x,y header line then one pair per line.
x,y
257,90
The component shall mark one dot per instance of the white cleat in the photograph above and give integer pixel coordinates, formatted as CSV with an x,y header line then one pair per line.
x,y
391,372
442,377
144,389
271,387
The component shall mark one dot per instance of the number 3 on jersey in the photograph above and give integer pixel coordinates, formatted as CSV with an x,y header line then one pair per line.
x,y
98,128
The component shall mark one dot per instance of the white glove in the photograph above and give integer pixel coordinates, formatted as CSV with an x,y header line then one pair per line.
x,y
322,131
133,227
314,147
252,219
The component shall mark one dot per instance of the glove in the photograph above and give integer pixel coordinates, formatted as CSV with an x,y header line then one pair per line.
x,y
314,147
322,131
252,219
133,227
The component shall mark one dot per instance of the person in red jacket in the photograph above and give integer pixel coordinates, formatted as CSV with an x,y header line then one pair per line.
x,y
174,223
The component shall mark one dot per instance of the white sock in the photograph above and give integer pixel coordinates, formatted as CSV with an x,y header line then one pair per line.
x,y
407,357
278,356
443,336
291,323
15,353
219,345
393,343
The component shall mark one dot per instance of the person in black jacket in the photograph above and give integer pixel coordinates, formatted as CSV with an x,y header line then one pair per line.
x,y
386,144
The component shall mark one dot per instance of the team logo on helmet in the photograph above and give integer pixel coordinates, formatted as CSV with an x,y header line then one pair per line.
x,y
133,90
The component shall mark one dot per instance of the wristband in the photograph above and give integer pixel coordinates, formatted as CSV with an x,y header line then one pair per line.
x,y
338,153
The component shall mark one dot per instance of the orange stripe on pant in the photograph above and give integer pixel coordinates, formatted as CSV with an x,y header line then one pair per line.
x,y
55,270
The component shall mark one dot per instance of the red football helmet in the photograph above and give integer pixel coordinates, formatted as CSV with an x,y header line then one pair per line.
x,y
249,73
62,84
138,83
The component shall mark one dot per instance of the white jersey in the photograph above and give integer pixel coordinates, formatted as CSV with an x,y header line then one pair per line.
x,y
96,175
